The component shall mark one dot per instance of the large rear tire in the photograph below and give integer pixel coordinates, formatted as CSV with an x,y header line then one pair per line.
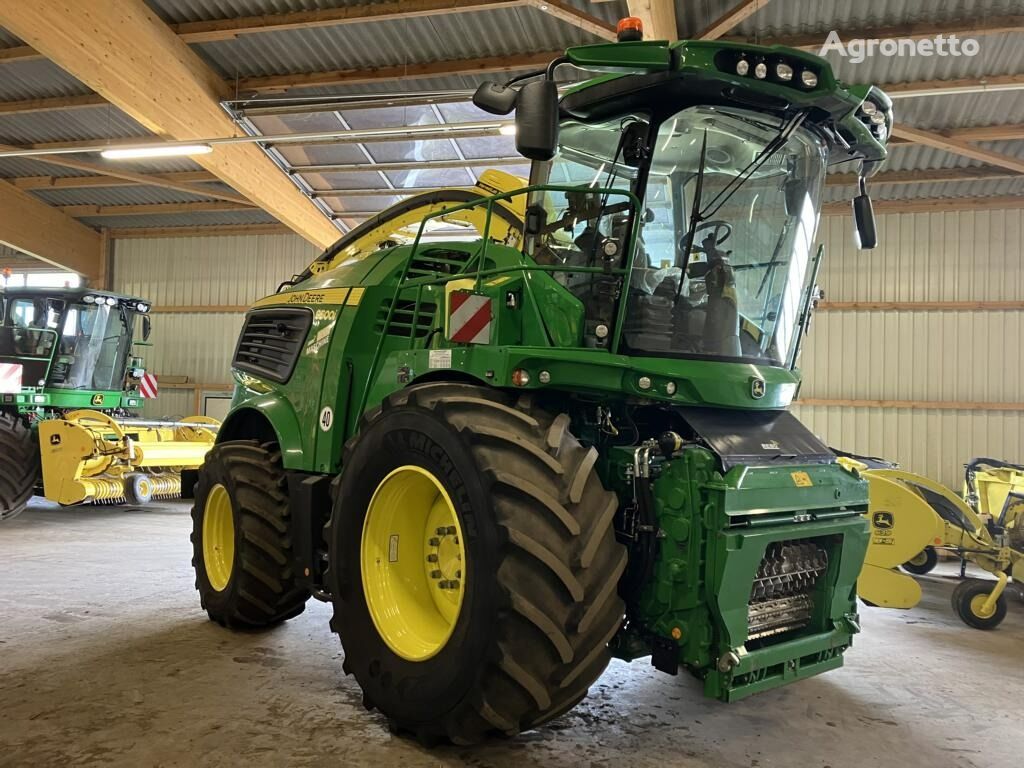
x,y
241,537
536,591
19,465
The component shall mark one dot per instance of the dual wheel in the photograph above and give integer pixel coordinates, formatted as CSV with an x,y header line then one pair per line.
x,y
472,561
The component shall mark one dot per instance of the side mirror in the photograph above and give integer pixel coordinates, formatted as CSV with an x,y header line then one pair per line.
x,y
147,327
537,120
864,218
495,98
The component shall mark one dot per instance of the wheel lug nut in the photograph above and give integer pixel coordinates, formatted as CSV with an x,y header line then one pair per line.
x,y
458,574
434,542
431,558
451,530
435,574
441,531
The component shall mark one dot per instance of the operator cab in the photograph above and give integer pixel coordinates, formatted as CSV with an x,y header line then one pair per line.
x,y
72,339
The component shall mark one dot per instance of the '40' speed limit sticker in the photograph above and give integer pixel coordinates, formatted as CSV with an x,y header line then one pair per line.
x,y
326,418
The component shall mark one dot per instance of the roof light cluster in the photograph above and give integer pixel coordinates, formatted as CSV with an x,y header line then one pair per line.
x,y
873,116
110,301
774,69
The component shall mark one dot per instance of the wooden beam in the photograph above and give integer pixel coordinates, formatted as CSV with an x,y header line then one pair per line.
x,y
914,405
92,182
30,225
957,147
139,178
658,17
954,87
920,306
126,54
391,10
731,19
967,27
147,209
933,205
125,233
230,29
987,133
923,176
362,76
63,103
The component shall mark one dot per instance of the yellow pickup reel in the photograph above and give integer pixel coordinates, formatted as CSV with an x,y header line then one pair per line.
x,y
913,517
90,456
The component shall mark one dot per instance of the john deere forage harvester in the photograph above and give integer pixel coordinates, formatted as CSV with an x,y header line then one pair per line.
x,y
561,435
69,384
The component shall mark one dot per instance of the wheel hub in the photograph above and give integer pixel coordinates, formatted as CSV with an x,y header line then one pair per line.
x,y
218,537
413,563
978,607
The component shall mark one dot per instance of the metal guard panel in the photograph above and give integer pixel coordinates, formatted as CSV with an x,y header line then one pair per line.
x,y
757,438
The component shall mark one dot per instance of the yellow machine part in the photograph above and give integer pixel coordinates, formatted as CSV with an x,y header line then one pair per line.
x,y
87,455
405,226
994,486
902,525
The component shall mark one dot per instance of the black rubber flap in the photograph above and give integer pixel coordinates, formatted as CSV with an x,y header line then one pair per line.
x,y
757,438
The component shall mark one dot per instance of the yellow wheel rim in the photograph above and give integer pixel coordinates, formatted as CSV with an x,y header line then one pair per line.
x,y
218,537
413,561
144,488
978,607
919,559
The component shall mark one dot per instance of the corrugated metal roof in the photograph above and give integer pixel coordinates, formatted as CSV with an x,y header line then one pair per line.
x,y
7,40
137,195
99,123
181,219
392,42
788,17
36,79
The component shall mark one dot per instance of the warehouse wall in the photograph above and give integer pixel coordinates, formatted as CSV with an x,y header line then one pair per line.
x,y
968,356
203,273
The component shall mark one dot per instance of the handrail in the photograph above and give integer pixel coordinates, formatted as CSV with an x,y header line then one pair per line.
x,y
481,256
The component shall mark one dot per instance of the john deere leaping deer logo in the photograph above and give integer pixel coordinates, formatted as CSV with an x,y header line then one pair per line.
x,y
757,388
97,399
882,520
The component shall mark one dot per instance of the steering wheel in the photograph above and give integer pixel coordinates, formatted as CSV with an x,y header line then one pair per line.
x,y
721,229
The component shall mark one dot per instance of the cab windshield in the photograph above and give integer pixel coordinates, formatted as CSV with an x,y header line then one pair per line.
x,y
734,287
93,348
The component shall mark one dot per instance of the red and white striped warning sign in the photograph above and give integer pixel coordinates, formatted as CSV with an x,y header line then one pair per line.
x,y
10,378
469,318
147,385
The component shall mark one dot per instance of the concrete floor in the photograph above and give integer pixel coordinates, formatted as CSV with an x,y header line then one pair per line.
x,y
106,659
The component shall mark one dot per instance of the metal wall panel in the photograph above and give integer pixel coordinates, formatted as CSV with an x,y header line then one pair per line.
x,y
961,356
933,443
203,272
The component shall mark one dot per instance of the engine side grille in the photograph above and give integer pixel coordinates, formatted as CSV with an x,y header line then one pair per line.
x,y
271,341
408,319
781,598
437,261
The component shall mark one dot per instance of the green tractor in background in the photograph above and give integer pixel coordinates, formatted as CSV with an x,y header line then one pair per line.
x,y
560,435
69,392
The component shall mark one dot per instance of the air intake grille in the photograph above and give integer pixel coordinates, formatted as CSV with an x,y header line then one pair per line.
x,y
437,261
271,342
409,320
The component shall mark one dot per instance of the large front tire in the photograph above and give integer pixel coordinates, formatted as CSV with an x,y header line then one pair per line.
x,y
19,465
241,537
537,600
